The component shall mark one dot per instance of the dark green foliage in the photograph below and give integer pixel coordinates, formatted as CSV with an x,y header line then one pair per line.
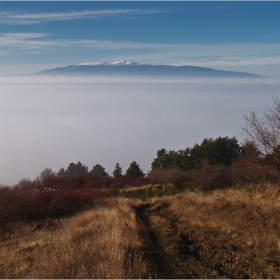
x,y
221,151
163,160
118,170
77,169
134,171
99,171
62,173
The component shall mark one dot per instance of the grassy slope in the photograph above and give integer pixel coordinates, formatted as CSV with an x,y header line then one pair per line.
x,y
101,243
230,233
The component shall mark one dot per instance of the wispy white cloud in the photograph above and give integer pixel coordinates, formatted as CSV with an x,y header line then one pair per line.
x,y
20,18
176,54
24,40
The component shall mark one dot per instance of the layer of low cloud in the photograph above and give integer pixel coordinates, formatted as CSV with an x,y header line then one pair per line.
x,y
50,122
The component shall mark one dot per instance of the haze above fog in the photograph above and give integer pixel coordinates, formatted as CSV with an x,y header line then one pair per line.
x,y
50,122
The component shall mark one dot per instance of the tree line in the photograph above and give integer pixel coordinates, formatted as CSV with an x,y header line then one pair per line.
x,y
134,171
219,151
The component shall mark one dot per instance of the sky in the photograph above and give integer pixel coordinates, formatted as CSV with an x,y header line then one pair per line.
x,y
237,36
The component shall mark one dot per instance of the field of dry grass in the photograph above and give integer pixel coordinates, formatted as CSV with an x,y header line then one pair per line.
x,y
251,215
232,233
229,233
99,243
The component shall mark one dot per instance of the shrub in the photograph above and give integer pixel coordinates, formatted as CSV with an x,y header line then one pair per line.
x,y
119,181
244,172
177,177
8,213
210,177
159,176
139,181
57,197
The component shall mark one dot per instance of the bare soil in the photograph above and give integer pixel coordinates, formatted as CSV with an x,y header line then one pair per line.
x,y
175,250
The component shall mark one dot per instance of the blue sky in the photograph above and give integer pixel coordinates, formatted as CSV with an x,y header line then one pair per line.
x,y
238,36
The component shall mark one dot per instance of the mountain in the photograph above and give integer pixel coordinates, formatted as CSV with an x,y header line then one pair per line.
x,y
129,68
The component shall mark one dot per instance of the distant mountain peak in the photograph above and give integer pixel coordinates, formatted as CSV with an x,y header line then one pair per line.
x,y
129,68
115,63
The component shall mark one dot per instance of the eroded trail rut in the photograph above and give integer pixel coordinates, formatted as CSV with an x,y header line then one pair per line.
x,y
172,251
160,261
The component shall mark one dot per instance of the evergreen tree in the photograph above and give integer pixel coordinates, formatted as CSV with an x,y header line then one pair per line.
x,y
77,169
134,171
62,173
219,151
99,171
118,170
163,160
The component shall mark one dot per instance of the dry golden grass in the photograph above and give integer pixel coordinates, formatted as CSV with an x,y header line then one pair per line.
x,y
100,243
251,217
235,230
104,242
148,187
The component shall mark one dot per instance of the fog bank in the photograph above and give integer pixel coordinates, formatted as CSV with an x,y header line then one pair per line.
x,y
50,122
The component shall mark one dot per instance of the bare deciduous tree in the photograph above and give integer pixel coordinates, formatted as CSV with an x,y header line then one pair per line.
x,y
264,133
44,175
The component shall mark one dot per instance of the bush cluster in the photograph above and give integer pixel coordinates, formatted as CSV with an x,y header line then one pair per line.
x,y
210,177
31,201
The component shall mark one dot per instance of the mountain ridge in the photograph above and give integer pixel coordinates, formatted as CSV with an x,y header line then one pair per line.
x,y
129,68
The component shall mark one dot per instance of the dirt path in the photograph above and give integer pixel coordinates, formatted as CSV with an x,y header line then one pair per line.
x,y
160,258
175,251
171,253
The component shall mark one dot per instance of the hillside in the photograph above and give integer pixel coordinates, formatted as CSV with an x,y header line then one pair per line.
x,y
231,233
128,68
225,234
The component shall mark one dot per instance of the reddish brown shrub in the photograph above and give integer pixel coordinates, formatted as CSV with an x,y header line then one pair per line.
x,y
56,198
158,176
140,181
119,182
244,171
76,181
8,211
210,177
177,177
55,183
65,201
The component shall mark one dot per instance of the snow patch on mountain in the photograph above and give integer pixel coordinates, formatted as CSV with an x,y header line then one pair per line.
x,y
115,63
